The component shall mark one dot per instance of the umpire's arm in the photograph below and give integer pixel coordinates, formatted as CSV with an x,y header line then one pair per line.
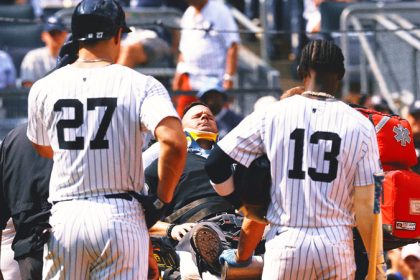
x,y
219,169
172,156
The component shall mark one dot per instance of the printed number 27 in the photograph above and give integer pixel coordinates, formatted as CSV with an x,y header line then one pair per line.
x,y
331,156
99,141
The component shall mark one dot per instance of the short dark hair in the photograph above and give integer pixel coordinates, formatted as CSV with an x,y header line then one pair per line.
x,y
193,104
322,56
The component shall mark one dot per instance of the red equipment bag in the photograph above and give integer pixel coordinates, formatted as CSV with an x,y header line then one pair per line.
x,y
401,204
395,140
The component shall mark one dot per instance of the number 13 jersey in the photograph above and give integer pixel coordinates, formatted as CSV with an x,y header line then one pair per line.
x,y
92,119
318,149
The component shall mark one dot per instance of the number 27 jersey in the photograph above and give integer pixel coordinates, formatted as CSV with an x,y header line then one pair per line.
x,y
92,119
318,149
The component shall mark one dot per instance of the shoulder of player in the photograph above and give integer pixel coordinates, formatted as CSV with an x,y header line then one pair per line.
x,y
286,102
358,117
127,71
144,81
52,76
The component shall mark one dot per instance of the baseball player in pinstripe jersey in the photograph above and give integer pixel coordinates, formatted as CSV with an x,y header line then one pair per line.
x,y
87,116
323,156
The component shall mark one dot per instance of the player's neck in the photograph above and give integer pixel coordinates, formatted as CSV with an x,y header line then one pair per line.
x,y
325,83
98,54
91,57
327,90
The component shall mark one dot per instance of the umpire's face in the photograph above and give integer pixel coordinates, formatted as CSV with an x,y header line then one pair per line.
x,y
200,118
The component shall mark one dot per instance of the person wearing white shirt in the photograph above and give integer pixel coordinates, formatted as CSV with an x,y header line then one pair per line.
x,y
206,51
38,62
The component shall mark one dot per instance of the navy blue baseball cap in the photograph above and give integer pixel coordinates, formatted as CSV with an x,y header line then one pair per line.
x,y
414,108
54,23
212,85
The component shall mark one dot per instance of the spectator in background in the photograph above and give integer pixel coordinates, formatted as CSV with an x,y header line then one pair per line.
x,y
7,71
398,269
38,62
204,50
411,256
377,103
312,14
215,97
144,47
413,118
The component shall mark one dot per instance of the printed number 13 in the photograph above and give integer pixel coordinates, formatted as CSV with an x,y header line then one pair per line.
x,y
298,136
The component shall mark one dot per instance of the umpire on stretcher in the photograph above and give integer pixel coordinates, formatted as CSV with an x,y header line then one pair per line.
x,y
203,222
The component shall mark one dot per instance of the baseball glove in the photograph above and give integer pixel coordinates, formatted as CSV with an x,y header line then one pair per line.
x,y
252,185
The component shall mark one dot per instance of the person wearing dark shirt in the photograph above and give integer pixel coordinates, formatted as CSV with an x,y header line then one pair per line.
x,y
195,200
24,182
215,97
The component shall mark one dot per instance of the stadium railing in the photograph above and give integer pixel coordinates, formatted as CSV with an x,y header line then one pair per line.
x,y
387,37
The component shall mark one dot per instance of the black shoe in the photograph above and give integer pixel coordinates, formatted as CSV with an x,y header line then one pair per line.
x,y
208,246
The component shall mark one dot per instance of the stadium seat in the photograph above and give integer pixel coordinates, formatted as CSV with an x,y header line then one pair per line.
x,y
18,39
17,11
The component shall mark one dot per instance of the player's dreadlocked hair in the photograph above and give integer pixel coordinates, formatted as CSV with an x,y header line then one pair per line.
x,y
322,56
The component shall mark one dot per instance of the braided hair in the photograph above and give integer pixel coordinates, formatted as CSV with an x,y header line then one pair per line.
x,y
322,56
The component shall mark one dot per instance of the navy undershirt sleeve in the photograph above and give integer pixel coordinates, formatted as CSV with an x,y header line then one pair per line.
x,y
219,165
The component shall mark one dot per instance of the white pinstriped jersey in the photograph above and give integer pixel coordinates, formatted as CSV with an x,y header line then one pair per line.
x,y
318,149
91,117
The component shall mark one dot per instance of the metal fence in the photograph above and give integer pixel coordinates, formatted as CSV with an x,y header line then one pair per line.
x,y
381,43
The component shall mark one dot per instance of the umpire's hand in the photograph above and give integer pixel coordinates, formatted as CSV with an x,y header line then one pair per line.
x,y
180,231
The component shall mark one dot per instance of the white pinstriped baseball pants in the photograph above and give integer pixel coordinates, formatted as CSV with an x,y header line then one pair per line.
x,y
309,253
97,238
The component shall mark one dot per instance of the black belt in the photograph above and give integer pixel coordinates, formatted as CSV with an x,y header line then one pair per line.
x,y
125,196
